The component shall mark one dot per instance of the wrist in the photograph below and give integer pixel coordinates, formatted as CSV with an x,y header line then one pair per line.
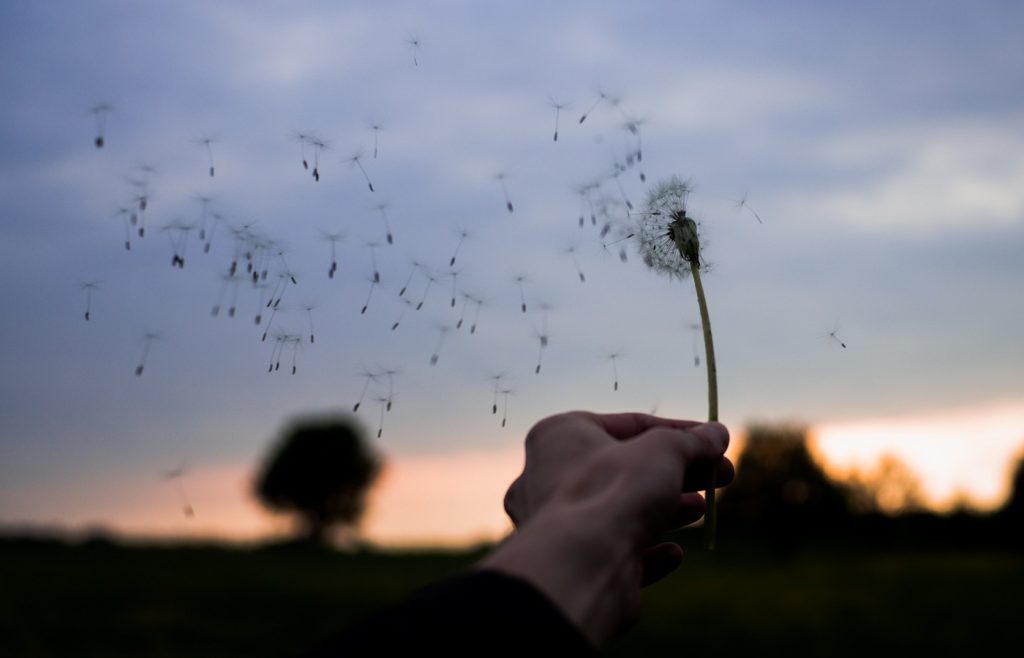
x,y
587,572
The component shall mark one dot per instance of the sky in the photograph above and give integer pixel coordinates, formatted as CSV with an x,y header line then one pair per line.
x,y
879,149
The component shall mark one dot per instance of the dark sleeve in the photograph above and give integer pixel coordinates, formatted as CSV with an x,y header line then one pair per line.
x,y
480,613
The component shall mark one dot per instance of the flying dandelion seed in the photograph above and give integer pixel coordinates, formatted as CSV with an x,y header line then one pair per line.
x,y
284,278
125,214
669,242
542,343
431,279
309,308
229,282
466,299
383,402
376,128
742,203
504,190
414,44
177,476
275,353
88,287
614,358
622,249
317,146
287,269
416,265
520,278
333,239
558,107
100,112
463,235
406,305
217,219
476,314
695,331
371,246
204,210
632,126
357,160
369,295
147,341
262,288
497,377
504,414
382,209
618,168
442,334
270,323
571,250
369,377
177,233
296,343
601,97
207,143
834,335
390,374
454,274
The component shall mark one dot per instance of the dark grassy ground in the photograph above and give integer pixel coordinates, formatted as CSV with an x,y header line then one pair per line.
x,y
100,599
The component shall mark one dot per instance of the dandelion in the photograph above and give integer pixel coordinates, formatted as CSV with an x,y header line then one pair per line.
x,y
571,250
506,392
632,126
125,214
317,145
431,279
622,249
384,403
177,233
333,239
454,274
369,295
466,298
558,107
88,287
834,335
413,42
390,374
147,341
742,203
376,128
416,265
296,343
463,234
476,314
382,209
371,246
618,168
669,243
99,112
504,190
497,377
520,278
309,308
406,305
207,142
601,97
369,377
614,358
230,281
262,287
357,160
177,476
442,334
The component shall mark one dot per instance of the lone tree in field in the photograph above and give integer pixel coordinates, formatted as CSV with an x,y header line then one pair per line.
x,y
320,470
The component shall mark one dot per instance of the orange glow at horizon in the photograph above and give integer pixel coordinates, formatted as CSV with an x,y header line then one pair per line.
x,y
958,456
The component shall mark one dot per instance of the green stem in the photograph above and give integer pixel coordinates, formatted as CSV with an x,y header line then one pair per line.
x,y
711,516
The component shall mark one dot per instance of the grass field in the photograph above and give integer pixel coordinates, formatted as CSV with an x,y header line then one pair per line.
x,y
102,599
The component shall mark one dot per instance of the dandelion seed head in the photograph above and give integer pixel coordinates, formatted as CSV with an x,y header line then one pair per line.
x,y
667,238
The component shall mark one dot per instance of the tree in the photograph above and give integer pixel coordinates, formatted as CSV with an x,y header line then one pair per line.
x,y
781,493
320,470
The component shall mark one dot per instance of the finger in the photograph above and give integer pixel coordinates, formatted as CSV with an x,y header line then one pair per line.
x,y
691,508
628,425
697,479
514,503
704,443
659,561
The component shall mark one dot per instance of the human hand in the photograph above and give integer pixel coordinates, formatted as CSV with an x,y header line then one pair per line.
x,y
595,494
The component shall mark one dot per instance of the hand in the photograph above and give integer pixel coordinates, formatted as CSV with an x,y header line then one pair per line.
x,y
595,494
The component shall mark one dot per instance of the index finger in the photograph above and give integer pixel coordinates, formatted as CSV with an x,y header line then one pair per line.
x,y
627,425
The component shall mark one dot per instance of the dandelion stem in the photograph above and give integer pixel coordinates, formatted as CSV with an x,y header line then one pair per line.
x,y
711,516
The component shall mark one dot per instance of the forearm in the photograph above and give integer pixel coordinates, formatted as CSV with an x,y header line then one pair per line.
x,y
587,572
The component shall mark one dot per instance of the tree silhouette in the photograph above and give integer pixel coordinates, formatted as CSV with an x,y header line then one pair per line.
x,y
320,470
781,494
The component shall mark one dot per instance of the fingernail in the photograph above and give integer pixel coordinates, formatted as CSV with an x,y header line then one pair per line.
x,y
713,431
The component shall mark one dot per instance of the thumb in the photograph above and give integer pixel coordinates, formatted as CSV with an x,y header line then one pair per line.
x,y
704,443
